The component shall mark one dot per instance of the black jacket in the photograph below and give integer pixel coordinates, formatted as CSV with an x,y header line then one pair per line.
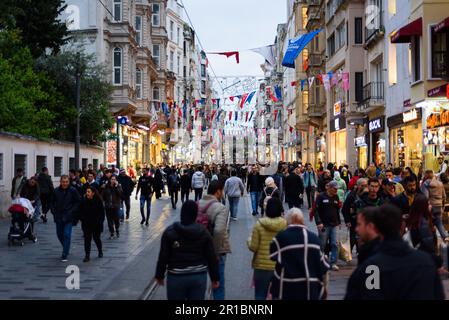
x,y
45,183
94,185
322,181
186,182
22,183
294,186
327,210
404,274
349,214
65,204
184,247
112,196
145,186
401,201
274,193
29,192
127,185
91,214
255,183
367,250
173,182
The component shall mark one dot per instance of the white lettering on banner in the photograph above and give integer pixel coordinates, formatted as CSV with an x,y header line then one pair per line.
x,y
410,115
360,141
375,125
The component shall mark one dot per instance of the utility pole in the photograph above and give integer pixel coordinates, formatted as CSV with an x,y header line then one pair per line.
x,y
78,111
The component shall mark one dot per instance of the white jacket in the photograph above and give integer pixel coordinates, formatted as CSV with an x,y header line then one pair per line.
x,y
198,180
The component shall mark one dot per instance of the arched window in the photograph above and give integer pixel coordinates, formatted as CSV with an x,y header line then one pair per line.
x,y
139,83
117,66
117,10
156,94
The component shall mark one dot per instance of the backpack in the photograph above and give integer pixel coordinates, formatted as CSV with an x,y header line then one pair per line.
x,y
173,181
267,198
203,217
214,178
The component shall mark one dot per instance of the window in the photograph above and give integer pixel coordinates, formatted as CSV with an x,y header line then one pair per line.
x,y
84,163
138,83
156,94
416,58
156,55
440,43
341,35
184,74
95,164
317,96
58,166
139,30
178,61
392,64
41,161
203,70
178,34
331,45
172,30
359,86
317,43
1,166
117,76
20,161
156,15
184,48
72,163
203,86
172,61
358,35
117,10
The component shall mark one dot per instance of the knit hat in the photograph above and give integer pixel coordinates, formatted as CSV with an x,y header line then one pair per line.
x,y
189,212
269,182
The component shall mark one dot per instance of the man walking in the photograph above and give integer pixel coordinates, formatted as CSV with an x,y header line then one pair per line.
x,y
294,188
145,185
186,185
198,183
218,218
173,183
46,190
234,189
66,201
127,189
17,183
310,183
254,188
91,182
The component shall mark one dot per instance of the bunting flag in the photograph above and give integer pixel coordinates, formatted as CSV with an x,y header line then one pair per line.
x,y
236,116
196,113
278,92
293,83
243,100
228,54
275,115
311,80
270,94
213,115
345,81
231,98
230,115
303,82
218,103
184,111
252,113
179,113
320,78
268,52
250,97
291,129
334,80
247,114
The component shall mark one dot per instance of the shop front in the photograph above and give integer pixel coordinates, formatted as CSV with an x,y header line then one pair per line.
x,y
406,138
320,147
376,128
337,145
362,151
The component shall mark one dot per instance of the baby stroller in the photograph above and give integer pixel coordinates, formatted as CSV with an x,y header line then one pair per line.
x,y
22,224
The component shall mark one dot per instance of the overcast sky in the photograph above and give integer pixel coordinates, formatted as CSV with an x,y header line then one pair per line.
x,y
236,25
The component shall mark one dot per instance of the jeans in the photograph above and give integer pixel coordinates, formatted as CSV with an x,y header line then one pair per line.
x,y
113,217
88,235
198,194
186,286
46,201
293,202
310,194
233,206
437,221
255,196
185,195
174,198
37,208
126,202
329,233
144,199
64,233
219,293
262,280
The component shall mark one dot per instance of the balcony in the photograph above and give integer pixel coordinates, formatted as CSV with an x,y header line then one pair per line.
x,y
373,97
316,111
374,29
315,60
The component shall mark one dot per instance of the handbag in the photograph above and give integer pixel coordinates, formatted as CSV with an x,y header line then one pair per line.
x,y
344,249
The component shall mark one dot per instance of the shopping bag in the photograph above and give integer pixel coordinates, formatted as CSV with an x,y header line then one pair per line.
x,y
344,249
407,237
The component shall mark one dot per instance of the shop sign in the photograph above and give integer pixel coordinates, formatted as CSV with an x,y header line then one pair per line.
x,y
376,125
134,135
407,103
337,108
410,116
440,91
438,119
360,141
337,124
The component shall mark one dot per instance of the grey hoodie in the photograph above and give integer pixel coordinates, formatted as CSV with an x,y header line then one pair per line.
x,y
234,187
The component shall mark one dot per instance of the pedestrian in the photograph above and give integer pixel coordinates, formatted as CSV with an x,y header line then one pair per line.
x,y
75,181
341,186
158,183
294,188
368,236
434,190
388,192
187,254
324,180
112,196
398,188
371,171
310,183
327,219
65,205
186,185
443,166
371,198
91,182
259,243
198,183
46,192
127,185
146,187
297,253
403,273
234,190
405,200
17,183
105,179
31,192
173,185
254,188
270,191
218,218
279,179
91,215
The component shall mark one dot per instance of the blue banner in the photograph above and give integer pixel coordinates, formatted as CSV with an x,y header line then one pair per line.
x,y
295,46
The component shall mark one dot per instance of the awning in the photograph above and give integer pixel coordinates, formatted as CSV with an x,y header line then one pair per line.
x,y
442,26
404,34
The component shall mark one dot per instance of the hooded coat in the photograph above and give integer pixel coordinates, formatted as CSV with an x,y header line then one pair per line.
x,y
341,186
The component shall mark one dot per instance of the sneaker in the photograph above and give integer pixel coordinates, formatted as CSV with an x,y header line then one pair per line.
x,y
64,258
86,259
143,221
234,219
334,267
118,234
100,254
146,223
111,237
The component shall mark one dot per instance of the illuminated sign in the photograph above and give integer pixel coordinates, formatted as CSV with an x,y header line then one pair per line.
x,y
337,108
409,116
375,125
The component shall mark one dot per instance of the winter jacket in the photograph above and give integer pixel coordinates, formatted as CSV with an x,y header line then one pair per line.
x,y
45,183
112,196
294,186
145,186
327,210
322,182
433,189
219,218
29,192
255,183
91,214
401,201
65,204
186,182
158,181
173,182
263,233
367,250
348,209
405,274
187,249
310,178
364,202
127,185
341,186
15,192
198,180
93,185
234,187
297,253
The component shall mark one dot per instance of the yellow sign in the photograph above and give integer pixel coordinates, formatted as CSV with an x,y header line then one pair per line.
x,y
337,108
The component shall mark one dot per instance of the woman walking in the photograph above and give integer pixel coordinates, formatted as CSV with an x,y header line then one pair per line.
x,y
270,191
92,216
187,253
263,233
112,196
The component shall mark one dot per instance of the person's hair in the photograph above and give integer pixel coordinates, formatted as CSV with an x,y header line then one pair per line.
x,y
44,169
233,173
397,171
214,186
73,171
373,180
360,180
19,170
369,214
95,191
389,170
274,208
388,221
107,171
362,172
409,179
444,178
428,172
189,212
64,176
199,168
294,214
418,210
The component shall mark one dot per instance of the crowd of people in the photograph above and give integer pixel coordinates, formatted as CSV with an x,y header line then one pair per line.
x,y
388,211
